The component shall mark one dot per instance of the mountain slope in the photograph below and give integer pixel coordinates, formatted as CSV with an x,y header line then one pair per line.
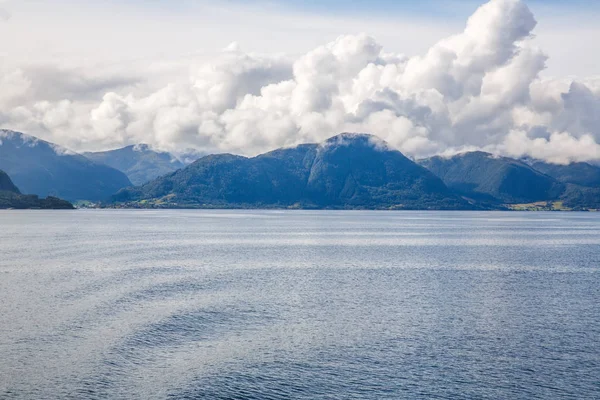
x,y
580,197
45,169
11,197
581,173
346,171
140,163
485,177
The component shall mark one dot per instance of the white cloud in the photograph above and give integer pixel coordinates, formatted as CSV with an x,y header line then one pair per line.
x,y
481,88
558,148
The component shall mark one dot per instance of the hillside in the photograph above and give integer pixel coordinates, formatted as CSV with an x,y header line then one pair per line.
x,y
581,173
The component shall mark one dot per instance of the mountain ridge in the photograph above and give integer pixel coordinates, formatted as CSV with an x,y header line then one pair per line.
x,y
349,170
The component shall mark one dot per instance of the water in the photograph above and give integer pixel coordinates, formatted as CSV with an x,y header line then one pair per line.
x,y
299,305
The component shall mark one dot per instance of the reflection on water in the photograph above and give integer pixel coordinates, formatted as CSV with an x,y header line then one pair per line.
x,y
306,305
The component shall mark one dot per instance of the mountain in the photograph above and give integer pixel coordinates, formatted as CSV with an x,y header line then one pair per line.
x,y
11,197
489,178
6,184
140,163
580,173
46,169
346,171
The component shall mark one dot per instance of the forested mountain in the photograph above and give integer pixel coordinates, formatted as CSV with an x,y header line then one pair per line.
x,y
346,171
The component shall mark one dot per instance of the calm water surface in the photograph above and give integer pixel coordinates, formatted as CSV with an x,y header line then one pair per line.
x,y
299,305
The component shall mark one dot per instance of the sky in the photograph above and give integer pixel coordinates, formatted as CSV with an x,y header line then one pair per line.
x,y
512,77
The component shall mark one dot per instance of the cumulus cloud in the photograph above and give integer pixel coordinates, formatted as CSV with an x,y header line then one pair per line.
x,y
558,148
479,89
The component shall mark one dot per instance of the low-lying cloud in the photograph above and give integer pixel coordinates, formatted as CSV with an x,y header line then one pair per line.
x,y
479,89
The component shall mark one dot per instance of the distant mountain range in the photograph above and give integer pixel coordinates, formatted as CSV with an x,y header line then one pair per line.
x,y
140,163
490,179
348,171
361,171
45,169
11,197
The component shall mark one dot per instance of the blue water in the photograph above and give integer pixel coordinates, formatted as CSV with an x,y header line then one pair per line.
x,y
299,305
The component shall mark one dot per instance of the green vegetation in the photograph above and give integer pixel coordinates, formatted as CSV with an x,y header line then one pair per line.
x,y
540,206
